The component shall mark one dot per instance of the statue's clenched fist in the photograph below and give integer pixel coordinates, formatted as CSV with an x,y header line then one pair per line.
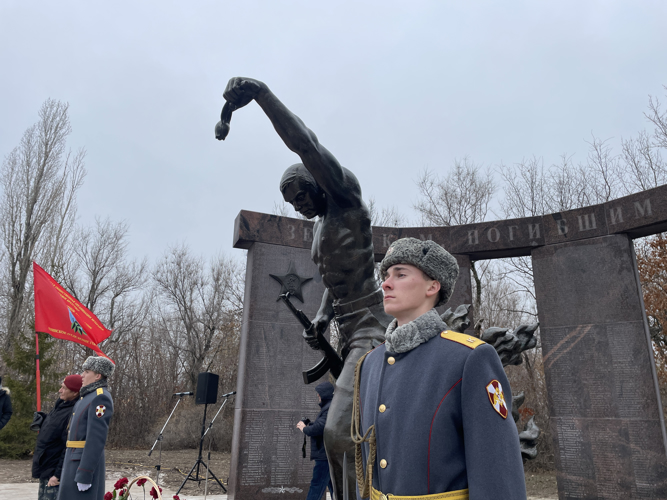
x,y
240,91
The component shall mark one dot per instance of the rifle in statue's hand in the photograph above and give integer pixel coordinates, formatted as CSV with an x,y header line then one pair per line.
x,y
331,360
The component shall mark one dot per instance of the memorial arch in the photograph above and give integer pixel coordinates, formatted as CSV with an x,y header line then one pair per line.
x,y
609,431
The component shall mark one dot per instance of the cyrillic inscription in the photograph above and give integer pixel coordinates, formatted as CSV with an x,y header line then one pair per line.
x,y
307,233
644,209
616,215
586,222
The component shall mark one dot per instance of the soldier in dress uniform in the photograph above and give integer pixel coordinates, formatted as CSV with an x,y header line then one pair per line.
x,y
432,408
83,469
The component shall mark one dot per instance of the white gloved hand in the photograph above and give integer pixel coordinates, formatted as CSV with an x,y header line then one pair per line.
x,y
83,487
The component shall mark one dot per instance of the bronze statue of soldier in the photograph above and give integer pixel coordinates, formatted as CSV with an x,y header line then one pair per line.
x,y
342,249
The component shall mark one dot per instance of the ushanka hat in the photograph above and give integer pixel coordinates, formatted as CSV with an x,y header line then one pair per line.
x,y
101,365
427,256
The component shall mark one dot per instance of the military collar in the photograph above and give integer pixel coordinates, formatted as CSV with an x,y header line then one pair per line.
x,y
406,337
92,387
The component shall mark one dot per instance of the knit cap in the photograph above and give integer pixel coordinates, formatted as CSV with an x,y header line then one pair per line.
x,y
73,382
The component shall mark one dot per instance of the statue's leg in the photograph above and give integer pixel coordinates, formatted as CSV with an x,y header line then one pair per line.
x,y
337,439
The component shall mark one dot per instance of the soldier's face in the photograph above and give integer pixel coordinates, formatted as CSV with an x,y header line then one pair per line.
x,y
67,394
408,293
304,198
89,376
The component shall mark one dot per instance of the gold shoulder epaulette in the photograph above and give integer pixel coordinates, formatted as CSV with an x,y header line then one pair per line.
x,y
100,391
462,338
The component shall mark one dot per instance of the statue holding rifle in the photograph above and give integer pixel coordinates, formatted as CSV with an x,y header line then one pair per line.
x,y
342,249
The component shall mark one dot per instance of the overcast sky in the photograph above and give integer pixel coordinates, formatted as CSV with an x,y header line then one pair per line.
x,y
389,87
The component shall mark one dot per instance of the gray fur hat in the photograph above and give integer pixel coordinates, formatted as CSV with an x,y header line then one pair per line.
x,y
436,262
101,365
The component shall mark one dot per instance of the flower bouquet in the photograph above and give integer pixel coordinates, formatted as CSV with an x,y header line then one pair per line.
x,y
122,489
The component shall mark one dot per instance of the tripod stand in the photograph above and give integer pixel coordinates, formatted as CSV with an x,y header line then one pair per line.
x,y
200,460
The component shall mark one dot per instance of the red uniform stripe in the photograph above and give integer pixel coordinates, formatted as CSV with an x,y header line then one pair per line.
x,y
428,460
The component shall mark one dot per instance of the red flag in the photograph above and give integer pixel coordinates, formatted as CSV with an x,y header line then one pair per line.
x,y
62,316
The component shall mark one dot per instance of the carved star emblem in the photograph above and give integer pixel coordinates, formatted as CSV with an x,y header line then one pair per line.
x,y
291,282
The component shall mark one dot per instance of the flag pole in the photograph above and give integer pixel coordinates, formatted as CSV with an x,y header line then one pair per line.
x,y
39,396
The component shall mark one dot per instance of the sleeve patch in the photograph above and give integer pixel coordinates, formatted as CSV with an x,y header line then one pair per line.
x,y
99,411
497,397
100,391
462,338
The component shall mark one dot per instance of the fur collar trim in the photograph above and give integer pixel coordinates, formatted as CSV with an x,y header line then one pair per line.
x,y
422,329
91,387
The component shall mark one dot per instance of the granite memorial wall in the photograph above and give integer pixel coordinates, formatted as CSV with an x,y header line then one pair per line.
x,y
604,401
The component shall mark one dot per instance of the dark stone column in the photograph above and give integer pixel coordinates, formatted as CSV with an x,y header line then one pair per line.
x,y
271,396
462,293
603,398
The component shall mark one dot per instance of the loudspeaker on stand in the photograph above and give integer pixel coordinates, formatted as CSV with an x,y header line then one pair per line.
x,y
207,389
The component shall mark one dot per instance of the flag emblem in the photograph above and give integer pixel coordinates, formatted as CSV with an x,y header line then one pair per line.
x,y
497,397
75,324
99,411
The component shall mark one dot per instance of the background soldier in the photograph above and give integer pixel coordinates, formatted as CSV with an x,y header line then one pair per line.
x,y
84,467
343,251
47,461
435,403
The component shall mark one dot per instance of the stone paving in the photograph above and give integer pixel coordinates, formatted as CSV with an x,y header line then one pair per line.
x,y
28,491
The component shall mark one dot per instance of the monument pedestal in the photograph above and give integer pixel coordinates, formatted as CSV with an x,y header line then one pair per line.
x,y
608,431
271,398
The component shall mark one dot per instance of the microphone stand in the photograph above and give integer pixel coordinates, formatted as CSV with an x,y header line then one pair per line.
x,y
159,438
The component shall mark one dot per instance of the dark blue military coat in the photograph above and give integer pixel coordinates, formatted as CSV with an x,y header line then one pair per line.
x,y
84,458
441,421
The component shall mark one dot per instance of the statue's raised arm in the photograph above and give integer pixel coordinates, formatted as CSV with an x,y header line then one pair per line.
x,y
338,183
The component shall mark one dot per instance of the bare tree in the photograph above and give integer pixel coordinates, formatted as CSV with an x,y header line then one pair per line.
x,y
386,216
460,197
99,274
601,174
503,303
564,187
39,180
524,187
658,117
202,305
643,164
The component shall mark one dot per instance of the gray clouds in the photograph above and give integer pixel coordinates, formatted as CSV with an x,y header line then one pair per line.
x,y
388,87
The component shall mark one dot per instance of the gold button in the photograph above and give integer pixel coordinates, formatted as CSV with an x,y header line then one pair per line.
x,y
383,463
382,408
391,360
